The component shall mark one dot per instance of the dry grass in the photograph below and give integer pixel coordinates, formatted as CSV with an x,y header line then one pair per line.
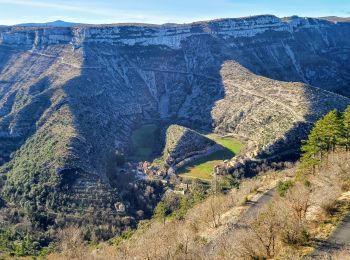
x,y
204,225
209,230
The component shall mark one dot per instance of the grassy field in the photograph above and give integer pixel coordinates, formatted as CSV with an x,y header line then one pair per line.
x,y
143,142
203,167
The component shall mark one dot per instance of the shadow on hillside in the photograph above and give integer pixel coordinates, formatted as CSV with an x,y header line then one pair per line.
x,y
206,163
319,103
126,87
113,97
120,88
287,148
278,56
288,145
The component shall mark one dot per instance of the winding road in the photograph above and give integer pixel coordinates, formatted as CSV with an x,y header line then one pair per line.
x,y
255,207
340,238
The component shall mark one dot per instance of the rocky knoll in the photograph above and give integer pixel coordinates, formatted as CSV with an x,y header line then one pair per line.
x,y
71,96
182,143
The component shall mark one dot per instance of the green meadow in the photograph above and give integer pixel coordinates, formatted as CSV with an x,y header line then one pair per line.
x,y
203,167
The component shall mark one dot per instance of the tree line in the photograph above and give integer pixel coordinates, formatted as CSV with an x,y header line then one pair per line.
x,y
330,133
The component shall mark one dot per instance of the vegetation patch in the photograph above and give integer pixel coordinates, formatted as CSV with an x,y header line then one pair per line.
x,y
202,168
337,213
283,187
119,239
143,142
20,243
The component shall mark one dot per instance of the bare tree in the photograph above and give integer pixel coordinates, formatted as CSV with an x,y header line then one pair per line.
x,y
215,205
298,199
71,244
260,238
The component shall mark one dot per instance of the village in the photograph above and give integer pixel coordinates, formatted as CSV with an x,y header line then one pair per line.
x,y
170,179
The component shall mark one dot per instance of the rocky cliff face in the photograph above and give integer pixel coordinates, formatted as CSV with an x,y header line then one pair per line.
x,y
314,51
70,97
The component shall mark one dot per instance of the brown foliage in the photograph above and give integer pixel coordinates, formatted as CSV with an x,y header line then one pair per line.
x,y
71,245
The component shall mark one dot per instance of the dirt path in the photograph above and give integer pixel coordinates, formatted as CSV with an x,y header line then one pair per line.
x,y
269,99
254,206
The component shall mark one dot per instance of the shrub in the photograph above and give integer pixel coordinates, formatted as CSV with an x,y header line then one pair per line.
x,y
307,183
124,236
328,208
345,186
283,187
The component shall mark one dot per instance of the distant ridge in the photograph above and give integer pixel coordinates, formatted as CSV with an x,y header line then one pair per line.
x,y
60,23
57,23
336,19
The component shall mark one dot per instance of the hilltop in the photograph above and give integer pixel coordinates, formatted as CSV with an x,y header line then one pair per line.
x,y
58,23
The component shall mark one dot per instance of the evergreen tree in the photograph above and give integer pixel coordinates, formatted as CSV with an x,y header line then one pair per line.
x,y
346,128
160,211
331,130
325,136
312,148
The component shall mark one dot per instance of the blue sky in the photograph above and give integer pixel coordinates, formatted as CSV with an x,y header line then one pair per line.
x,y
160,11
